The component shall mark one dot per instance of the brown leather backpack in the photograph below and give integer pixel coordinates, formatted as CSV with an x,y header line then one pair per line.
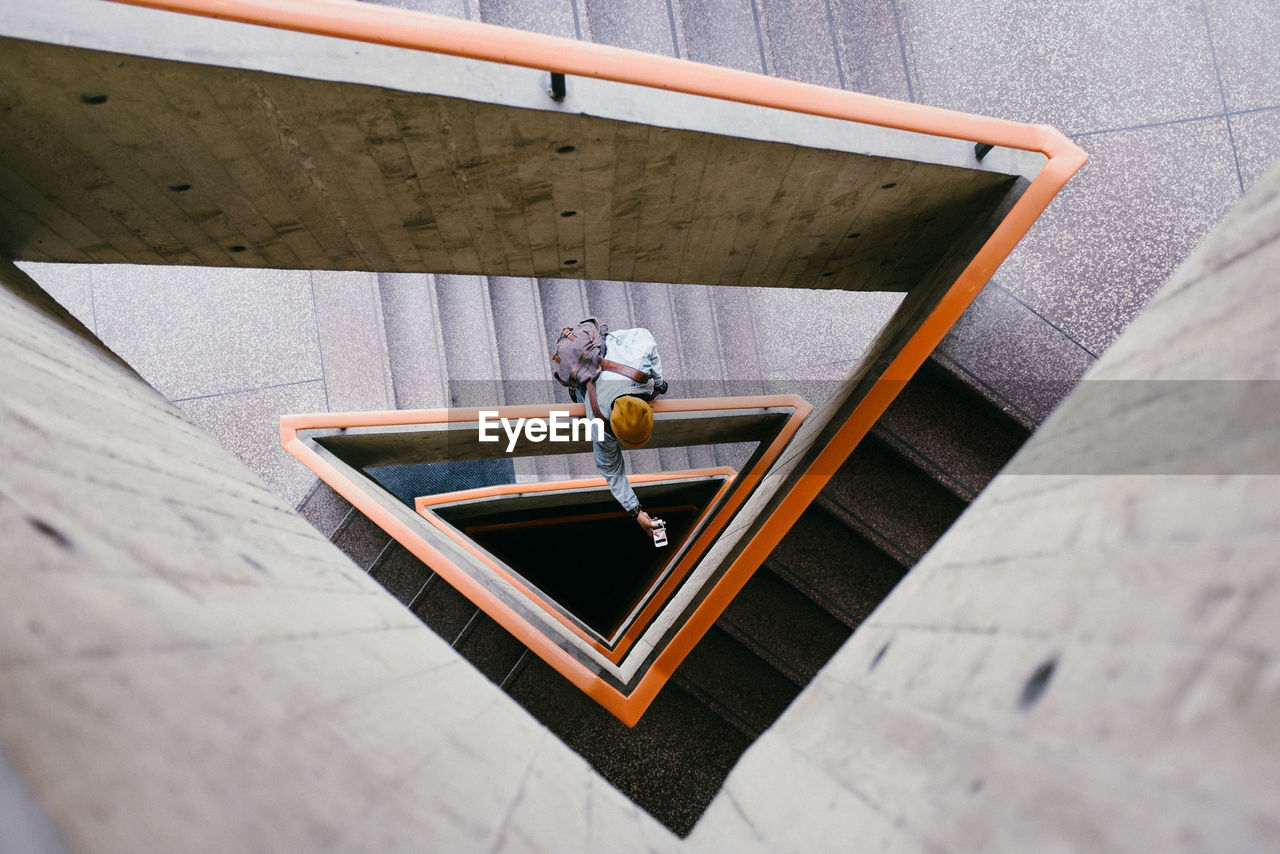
x,y
579,351
579,357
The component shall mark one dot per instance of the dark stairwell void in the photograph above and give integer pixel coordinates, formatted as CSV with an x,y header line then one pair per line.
x,y
584,553
934,449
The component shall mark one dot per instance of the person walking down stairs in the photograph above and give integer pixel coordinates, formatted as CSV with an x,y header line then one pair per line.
x,y
615,374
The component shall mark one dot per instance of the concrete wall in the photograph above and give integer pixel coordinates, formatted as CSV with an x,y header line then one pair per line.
x,y
1087,661
942,725
186,665
145,137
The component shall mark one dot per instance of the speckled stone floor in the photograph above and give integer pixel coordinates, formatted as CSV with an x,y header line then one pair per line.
x,y
1178,105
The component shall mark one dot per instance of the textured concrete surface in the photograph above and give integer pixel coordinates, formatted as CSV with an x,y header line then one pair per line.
x,y
641,26
799,41
1104,72
1104,233
234,330
619,182
522,353
1124,63
943,429
70,284
1141,204
247,423
742,341
871,55
783,625
236,350
24,825
1257,140
1100,61
705,369
467,329
415,344
900,509
815,556
452,8
1008,352
653,756
227,628
1246,47
401,573
325,509
553,17
1084,661
811,329
730,678
723,32
353,341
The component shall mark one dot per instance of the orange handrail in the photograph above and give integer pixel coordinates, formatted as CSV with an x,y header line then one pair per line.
x,y
415,30
407,28
617,651
622,705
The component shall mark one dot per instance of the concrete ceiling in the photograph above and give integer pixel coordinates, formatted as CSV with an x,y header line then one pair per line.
x,y
204,142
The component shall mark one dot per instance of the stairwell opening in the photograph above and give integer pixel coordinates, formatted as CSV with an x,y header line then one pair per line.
x,y
580,550
841,558
537,534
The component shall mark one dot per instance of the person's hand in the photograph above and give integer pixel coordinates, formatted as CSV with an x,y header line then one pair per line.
x,y
660,387
647,522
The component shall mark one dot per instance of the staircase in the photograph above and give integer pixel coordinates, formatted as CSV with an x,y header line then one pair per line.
x,y
933,451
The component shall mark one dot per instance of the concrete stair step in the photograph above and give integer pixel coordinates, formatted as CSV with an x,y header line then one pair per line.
x,y
564,303
653,309
324,508
361,540
352,335
702,456
610,303
444,609
740,352
842,571
890,501
404,576
638,24
783,626
474,350
492,649
699,340
554,17
671,763
950,432
735,682
702,364
415,345
470,343
522,360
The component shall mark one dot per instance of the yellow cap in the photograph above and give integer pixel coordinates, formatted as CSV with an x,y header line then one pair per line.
x,y
631,420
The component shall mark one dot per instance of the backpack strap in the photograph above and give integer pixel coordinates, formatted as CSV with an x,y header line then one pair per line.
x,y
626,370
595,405
618,368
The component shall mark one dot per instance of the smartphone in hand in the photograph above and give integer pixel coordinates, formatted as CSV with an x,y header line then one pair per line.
x,y
659,534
